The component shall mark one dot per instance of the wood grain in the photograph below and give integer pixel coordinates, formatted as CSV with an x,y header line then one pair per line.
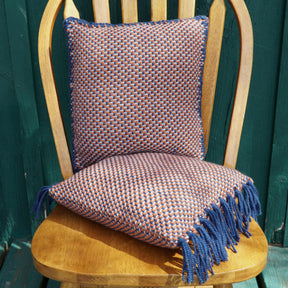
x,y
69,248
70,10
213,50
129,11
158,10
46,69
243,82
186,9
101,11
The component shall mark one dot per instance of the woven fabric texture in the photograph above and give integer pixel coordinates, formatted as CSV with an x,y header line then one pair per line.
x,y
154,197
166,200
136,88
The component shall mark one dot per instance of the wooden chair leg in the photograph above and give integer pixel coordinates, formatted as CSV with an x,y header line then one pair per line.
x,y
223,286
69,285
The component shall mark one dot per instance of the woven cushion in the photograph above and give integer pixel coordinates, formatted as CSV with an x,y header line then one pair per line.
x,y
136,88
165,200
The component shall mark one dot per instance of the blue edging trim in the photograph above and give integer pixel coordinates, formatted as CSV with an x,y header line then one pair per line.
x,y
70,20
93,24
70,65
200,92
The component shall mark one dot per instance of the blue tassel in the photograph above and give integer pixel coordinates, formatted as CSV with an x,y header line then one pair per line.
x,y
238,214
230,220
234,207
219,230
201,257
211,247
220,250
38,206
243,209
223,229
189,263
251,197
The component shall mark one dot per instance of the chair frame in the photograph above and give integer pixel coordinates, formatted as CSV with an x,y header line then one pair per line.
x,y
213,49
129,11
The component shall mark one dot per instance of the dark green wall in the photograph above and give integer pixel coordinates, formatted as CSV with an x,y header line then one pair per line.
x,y
28,157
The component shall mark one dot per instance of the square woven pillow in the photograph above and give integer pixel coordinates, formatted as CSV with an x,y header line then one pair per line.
x,y
136,88
166,200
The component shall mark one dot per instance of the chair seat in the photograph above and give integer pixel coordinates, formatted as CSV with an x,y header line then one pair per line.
x,y
69,248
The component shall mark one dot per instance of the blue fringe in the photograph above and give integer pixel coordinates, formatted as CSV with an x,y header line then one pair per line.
x,y
189,263
218,230
42,195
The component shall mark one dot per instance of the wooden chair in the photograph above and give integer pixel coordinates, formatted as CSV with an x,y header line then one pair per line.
x,y
80,253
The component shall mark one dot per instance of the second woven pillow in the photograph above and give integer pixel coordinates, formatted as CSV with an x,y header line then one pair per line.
x,y
165,200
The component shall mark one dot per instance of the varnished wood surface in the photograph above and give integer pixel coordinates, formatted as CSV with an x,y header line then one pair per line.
x,y
186,9
51,96
69,248
70,10
129,11
243,82
101,11
158,10
130,14
213,50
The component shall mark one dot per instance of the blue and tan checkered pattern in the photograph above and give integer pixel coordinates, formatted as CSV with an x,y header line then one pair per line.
x,y
136,88
154,197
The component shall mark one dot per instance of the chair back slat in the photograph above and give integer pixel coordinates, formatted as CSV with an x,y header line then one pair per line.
x,y
243,82
129,14
186,9
70,10
129,11
213,50
101,11
158,10
49,86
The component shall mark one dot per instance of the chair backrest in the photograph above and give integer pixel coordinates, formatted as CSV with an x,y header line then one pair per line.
x,y
158,12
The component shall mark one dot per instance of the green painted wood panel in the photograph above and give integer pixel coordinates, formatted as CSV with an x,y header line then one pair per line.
x,y
50,168
256,144
276,216
252,283
285,241
28,147
258,127
6,84
18,270
257,135
19,44
276,274
14,211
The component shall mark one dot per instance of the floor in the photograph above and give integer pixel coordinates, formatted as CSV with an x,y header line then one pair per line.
x,y
18,271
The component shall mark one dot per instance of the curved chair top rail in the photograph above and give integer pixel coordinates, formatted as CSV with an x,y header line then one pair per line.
x,y
158,12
